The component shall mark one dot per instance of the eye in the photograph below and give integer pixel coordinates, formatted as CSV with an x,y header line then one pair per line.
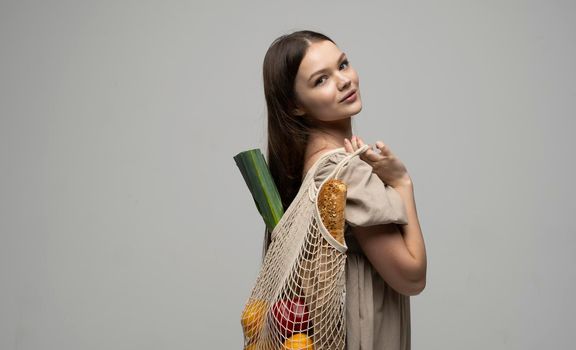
x,y
320,79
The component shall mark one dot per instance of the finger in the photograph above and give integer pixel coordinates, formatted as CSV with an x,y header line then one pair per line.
x,y
355,142
348,146
372,156
369,155
361,144
384,149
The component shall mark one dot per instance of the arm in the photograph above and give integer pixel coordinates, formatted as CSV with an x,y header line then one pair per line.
x,y
397,252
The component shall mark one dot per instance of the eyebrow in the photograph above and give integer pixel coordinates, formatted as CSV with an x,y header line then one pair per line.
x,y
325,69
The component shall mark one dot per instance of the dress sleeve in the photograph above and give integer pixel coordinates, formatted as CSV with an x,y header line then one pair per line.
x,y
369,201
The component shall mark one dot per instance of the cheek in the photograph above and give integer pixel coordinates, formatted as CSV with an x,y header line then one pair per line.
x,y
324,105
323,99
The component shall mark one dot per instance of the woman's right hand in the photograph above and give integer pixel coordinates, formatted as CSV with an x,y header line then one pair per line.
x,y
385,164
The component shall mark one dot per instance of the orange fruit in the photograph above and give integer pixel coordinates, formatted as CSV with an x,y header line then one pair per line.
x,y
298,341
253,317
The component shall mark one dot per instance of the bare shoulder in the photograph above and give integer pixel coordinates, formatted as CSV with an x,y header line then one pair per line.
x,y
313,156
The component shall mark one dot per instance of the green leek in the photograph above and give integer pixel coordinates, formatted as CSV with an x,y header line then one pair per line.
x,y
264,192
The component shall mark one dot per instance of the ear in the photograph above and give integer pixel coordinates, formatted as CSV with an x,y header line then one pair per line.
x,y
298,112
297,109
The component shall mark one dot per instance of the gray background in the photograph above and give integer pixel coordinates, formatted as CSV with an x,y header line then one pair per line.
x,y
125,223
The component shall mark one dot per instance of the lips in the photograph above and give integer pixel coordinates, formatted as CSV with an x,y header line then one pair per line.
x,y
348,95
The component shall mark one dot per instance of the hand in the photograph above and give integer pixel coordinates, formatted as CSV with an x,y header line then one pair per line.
x,y
385,164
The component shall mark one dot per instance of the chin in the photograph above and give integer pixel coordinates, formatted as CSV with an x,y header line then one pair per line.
x,y
357,109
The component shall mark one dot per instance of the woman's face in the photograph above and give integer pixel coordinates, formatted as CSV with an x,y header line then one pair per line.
x,y
324,78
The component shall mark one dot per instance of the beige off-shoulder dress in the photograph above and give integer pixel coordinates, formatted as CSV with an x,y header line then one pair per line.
x,y
377,317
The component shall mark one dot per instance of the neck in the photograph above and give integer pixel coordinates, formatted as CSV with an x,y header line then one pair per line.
x,y
330,135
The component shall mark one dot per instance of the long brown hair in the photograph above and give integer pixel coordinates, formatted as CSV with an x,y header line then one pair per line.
x,y
287,134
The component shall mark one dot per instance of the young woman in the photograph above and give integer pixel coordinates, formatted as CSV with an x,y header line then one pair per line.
x,y
311,93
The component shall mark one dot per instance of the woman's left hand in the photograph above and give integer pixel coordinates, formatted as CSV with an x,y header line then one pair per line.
x,y
385,164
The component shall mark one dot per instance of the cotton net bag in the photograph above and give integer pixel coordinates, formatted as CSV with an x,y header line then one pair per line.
x,y
299,298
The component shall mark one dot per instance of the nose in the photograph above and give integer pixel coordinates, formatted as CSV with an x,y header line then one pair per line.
x,y
344,81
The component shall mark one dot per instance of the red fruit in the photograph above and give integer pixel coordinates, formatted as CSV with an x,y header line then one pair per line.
x,y
291,316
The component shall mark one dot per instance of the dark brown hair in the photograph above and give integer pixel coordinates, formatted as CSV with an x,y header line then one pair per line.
x,y
287,133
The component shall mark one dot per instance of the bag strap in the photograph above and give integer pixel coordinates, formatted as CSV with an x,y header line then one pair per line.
x,y
335,172
345,161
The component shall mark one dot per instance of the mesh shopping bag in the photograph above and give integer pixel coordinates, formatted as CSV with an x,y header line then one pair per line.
x,y
298,300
